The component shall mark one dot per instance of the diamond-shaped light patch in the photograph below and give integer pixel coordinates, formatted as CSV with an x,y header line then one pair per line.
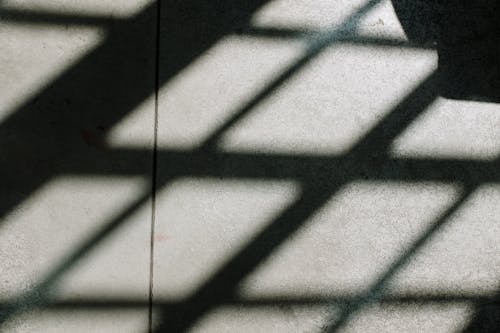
x,y
351,241
453,129
202,223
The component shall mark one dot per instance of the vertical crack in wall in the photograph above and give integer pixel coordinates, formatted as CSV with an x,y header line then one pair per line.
x,y
154,166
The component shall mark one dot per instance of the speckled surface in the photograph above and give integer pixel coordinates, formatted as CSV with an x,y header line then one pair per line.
x,y
65,78
321,166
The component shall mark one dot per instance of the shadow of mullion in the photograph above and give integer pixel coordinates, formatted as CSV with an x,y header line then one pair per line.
x,y
46,126
222,285
38,17
304,34
291,220
377,142
315,46
407,299
104,86
271,166
43,292
285,225
316,192
375,292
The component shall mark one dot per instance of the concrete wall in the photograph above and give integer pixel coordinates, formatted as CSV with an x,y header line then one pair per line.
x,y
249,166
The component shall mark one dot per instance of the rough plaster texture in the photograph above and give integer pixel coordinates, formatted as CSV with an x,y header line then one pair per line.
x,y
313,172
54,74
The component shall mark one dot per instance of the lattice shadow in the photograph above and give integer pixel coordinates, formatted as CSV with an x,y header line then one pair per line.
x,y
191,28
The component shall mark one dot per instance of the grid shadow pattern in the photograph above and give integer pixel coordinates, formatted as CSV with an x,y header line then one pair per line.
x,y
320,176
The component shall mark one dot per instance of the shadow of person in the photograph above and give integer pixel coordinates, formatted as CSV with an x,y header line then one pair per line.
x,y
467,37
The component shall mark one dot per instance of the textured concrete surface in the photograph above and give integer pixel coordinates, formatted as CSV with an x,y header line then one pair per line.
x,y
57,71
318,166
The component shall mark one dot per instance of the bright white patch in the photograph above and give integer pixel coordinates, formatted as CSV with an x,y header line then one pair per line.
x,y
305,14
331,103
382,22
55,221
453,129
211,89
463,257
351,241
200,224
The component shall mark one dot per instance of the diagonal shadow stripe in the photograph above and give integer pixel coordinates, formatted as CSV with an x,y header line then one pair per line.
x,y
100,90
316,192
84,247
39,17
375,292
46,131
382,138
316,44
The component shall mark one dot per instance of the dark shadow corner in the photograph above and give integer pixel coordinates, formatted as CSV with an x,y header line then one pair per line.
x,y
467,37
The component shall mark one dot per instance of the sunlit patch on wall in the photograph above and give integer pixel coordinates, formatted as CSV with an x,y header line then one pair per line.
x,y
202,223
436,318
115,8
453,129
302,14
463,257
382,21
71,210
33,56
282,319
210,90
331,103
351,241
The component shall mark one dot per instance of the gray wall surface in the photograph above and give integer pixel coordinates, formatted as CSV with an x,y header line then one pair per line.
x,y
249,166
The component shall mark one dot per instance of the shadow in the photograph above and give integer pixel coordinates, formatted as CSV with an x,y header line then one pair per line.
x,y
61,129
317,190
38,17
369,41
467,34
486,318
60,132
406,299
467,37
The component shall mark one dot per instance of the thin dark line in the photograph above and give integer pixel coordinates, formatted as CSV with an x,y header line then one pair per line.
x,y
154,176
